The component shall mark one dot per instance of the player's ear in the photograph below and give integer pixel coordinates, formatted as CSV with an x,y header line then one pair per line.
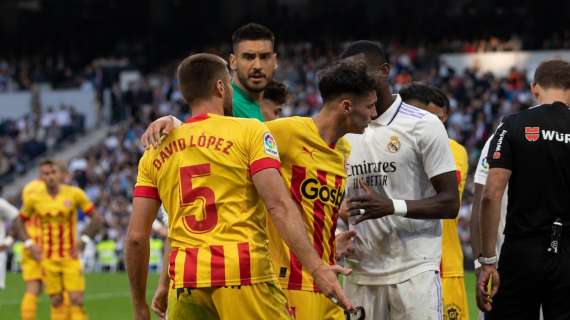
x,y
385,69
535,89
233,62
346,105
220,89
276,61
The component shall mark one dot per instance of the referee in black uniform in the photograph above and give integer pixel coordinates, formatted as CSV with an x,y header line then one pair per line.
x,y
530,152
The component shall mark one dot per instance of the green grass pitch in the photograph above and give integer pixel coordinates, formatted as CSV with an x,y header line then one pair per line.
x,y
107,297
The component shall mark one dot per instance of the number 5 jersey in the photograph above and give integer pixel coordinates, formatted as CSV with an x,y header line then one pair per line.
x,y
202,173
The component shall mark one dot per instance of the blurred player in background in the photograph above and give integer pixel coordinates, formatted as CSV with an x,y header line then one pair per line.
x,y
56,205
275,96
455,305
7,213
209,235
31,268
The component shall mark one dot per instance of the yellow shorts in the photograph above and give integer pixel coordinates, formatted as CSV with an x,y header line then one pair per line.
x,y
454,299
31,269
263,300
62,275
307,305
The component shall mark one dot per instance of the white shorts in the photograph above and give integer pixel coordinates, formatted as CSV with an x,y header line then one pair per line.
x,y
416,298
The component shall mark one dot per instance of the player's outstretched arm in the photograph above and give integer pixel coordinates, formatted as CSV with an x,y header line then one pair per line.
x,y
376,204
289,222
159,129
137,252
95,225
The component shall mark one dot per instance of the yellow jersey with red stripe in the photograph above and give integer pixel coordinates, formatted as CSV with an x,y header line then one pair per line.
x,y
57,219
202,172
316,176
33,224
451,252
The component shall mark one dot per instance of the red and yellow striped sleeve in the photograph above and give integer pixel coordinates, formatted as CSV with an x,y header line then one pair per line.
x,y
145,186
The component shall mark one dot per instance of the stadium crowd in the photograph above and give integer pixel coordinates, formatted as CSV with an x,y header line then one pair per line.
x,y
23,140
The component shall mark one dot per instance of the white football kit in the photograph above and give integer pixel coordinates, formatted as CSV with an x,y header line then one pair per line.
x,y
396,259
480,177
7,213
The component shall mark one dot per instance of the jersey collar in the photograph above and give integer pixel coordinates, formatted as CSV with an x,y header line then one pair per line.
x,y
387,117
197,118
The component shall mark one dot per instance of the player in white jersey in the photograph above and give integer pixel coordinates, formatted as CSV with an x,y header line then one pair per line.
x,y
7,213
480,179
404,155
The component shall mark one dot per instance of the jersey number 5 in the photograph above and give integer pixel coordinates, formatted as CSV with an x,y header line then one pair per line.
x,y
189,195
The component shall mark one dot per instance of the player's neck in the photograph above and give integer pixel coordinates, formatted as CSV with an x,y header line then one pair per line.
x,y
328,127
385,100
255,96
53,191
550,96
207,107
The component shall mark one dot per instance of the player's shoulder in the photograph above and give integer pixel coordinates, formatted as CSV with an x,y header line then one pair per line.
x,y
412,113
343,146
71,189
456,146
287,122
32,186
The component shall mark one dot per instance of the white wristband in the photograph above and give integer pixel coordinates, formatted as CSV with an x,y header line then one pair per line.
x,y
8,241
28,243
477,264
85,238
400,207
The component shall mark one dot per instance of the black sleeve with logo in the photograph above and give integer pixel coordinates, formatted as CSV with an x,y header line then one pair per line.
x,y
500,154
535,145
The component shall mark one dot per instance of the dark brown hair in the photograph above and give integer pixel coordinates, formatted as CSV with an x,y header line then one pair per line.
x,y
553,74
197,74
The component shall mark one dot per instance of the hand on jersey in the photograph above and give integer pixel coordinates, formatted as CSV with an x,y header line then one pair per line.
x,y
160,301
343,243
486,292
157,131
370,205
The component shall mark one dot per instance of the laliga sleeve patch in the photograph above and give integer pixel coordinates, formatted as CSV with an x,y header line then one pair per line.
x,y
269,145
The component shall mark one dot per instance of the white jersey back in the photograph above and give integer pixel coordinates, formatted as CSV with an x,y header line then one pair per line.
x,y
480,177
400,151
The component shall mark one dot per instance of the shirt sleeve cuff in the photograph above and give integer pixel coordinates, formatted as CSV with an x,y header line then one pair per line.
x,y
89,210
146,192
23,217
262,164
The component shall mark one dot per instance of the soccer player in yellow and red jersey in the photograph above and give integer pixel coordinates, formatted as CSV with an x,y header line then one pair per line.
x,y
313,155
455,304
211,176
56,208
31,269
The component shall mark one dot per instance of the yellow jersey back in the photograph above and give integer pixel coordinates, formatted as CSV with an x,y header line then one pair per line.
x,y
202,172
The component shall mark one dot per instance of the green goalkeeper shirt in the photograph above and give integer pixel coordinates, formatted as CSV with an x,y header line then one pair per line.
x,y
244,106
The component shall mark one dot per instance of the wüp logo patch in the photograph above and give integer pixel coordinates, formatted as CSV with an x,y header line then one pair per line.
x,y
531,133
270,145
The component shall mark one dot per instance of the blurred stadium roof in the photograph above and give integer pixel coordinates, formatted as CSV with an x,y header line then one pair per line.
x,y
164,26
